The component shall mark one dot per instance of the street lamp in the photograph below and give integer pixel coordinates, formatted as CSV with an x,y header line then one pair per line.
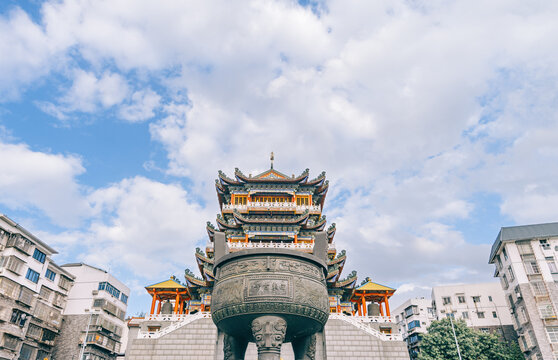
x,y
91,312
453,330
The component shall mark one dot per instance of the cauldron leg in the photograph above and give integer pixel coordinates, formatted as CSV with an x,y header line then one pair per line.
x,y
234,348
269,333
304,348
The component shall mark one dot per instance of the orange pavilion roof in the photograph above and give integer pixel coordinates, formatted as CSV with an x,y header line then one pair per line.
x,y
167,284
372,287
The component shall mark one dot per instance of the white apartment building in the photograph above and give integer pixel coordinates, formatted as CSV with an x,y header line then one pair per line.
x,y
33,291
482,306
525,260
94,313
413,317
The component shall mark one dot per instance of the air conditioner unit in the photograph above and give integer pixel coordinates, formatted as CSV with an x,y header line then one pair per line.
x,y
95,292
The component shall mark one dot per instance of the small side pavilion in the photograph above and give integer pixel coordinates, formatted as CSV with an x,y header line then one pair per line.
x,y
373,293
168,290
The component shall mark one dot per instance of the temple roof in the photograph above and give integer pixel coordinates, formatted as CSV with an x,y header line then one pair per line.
x,y
167,284
370,286
271,175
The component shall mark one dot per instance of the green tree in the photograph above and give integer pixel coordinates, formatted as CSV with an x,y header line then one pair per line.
x,y
439,344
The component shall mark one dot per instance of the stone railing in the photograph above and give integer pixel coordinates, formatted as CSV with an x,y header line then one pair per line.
x,y
178,321
263,245
361,323
374,319
273,206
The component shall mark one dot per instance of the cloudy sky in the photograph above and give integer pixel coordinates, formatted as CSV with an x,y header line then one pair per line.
x,y
435,121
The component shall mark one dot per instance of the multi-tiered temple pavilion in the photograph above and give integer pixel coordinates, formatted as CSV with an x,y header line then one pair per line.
x,y
267,210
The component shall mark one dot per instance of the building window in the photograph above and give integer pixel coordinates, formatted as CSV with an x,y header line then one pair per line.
x,y
34,332
414,338
45,293
110,289
18,317
524,247
480,314
461,299
446,300
20,243
41,354
476,299
9,288
26,352
531,267
12,263
39,256
413,324
546,311
10,341
124,298
32,275
411,310
539,289
64,283
512,275
465,315
522,315
505,282
504,253
552,265
494,315
485,330
489,298
48,336
50,275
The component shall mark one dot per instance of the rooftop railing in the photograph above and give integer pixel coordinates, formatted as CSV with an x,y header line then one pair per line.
x,y
275,245
288,206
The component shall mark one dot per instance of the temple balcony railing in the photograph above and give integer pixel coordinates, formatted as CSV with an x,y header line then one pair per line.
x,y
166,317
275,245
273,206
362,323
375,319
179,321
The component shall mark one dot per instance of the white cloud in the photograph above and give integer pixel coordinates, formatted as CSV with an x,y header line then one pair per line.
x,y
146,226
89,94
47,182
142,107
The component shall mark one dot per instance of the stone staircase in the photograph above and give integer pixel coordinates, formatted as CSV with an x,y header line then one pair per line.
x,y
345,341
194,341
197,340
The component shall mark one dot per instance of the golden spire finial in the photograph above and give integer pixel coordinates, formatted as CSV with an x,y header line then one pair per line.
x,y
272,158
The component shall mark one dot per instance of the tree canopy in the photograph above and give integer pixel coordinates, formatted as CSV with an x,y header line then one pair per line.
x,y
439,343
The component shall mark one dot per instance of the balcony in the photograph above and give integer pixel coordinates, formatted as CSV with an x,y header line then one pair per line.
x,y
272,206
20,243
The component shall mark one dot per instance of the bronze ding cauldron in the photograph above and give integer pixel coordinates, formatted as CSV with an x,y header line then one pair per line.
x,y
269,296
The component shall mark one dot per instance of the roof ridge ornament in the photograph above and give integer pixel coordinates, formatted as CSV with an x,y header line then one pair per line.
x,y
272,158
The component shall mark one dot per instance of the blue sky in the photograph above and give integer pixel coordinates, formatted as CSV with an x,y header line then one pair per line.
x,y
435,122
